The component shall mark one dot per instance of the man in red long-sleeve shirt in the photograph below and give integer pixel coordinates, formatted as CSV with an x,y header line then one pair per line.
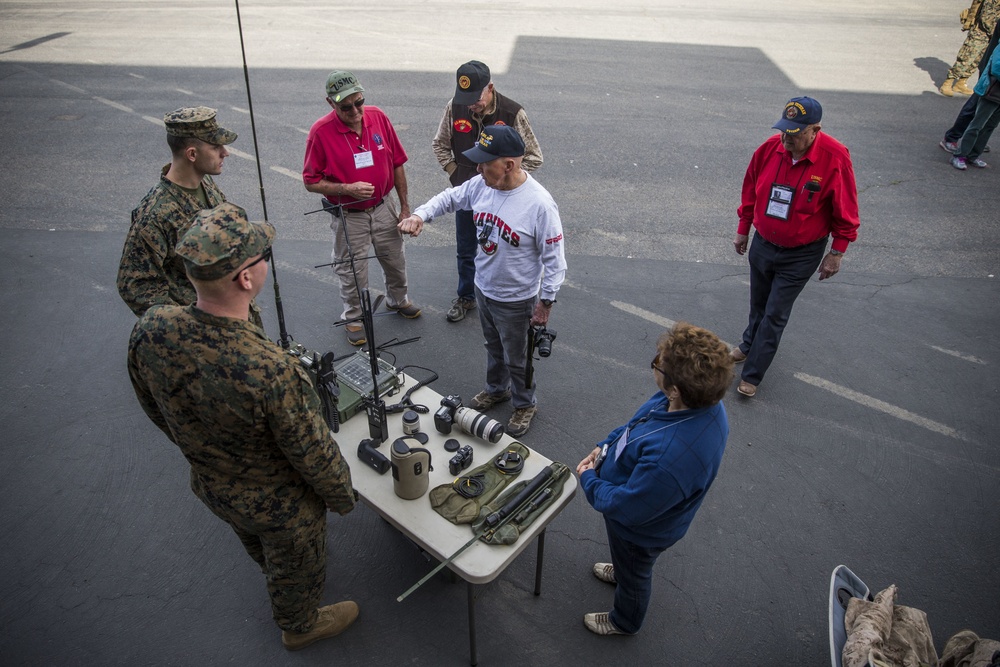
x,y
798,190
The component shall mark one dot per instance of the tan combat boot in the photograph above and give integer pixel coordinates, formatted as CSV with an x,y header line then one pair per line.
x,y
332,620
960,87
946,88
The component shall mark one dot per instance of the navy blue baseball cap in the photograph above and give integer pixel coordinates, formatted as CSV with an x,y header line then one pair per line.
x,y
496,141
799,113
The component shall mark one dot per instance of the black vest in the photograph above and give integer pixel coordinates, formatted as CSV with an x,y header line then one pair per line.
x,y
505,112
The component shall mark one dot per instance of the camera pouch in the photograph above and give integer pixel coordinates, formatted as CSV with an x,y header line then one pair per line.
x,y
459,509
509,532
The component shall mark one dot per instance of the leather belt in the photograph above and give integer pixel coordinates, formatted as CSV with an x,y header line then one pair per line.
x,y
369,209
794,247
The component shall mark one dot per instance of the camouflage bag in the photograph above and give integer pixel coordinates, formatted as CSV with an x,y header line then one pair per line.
x,y
459,509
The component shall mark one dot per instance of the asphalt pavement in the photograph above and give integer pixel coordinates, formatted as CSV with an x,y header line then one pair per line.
x,y
871,442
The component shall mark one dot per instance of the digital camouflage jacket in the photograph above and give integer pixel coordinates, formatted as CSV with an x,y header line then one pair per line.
x,y
243,412
150,272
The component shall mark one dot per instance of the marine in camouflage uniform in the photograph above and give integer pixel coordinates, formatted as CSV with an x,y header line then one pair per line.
x,y
150,272
980,25
246,417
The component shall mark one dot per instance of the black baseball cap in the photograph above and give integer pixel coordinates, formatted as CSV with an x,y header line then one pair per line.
x,y
471,79
496,141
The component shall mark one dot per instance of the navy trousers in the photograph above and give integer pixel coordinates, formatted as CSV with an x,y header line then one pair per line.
x,y
777,275
956,131
466,243
634,574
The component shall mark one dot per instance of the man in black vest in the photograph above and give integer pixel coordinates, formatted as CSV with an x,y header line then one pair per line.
x,y
476,104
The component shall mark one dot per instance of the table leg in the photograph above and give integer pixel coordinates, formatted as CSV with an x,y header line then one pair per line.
x,y
473,658
538,562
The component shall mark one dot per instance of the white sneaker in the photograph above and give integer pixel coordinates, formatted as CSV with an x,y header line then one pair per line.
x,y
605,572
600,624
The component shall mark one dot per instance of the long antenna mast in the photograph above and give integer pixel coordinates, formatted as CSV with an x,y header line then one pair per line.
x,y
284,339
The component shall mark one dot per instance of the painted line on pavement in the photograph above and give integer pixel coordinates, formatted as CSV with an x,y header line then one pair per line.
x,y
120,107
644,314
964,357
288,172
238,153
881,406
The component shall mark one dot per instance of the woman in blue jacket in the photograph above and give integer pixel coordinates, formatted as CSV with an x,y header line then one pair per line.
x,y
649,476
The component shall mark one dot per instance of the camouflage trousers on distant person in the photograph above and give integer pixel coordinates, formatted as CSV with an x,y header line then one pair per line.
x,y
975,42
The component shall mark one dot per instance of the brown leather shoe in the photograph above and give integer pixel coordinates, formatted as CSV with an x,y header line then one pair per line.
x,y
355,335
332,620
747,389
738,355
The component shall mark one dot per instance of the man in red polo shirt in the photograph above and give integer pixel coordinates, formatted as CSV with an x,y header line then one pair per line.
x,y
354,158
798,190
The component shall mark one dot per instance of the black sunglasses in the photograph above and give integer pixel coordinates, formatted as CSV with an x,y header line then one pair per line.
x,y
266,257
347,107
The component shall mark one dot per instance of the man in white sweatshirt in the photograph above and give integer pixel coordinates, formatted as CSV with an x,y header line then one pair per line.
x,y
520,264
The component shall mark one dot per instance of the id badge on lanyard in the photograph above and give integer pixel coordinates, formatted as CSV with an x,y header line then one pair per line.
x,y
780,203
362,160
619,445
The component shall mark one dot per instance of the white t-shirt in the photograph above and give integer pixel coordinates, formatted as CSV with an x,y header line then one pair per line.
x,y
525,237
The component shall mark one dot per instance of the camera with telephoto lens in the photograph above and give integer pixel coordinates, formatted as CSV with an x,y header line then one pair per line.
x,y
543,340
445,415
461,460
471,421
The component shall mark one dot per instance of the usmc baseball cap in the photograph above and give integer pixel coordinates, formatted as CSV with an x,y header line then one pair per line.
x,y
496,141
197,122
471,79
340,84
221,240
799,113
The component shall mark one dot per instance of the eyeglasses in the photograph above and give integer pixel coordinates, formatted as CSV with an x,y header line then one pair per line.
x,y
345,108
653,365
266,257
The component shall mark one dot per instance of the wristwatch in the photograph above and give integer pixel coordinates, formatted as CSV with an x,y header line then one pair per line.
x,y
836,253
547,302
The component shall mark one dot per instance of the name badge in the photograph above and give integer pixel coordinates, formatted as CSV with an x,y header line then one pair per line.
x,y
362,160
780,202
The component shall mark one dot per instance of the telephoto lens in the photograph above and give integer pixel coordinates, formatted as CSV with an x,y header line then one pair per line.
x,y
479,425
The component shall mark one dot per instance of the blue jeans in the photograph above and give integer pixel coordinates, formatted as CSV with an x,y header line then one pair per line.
x,y
977,135
505,328
777,276
634,574
466,243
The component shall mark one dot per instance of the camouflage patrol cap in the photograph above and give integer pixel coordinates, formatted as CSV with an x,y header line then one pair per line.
x,y
221,240
197,122
340,84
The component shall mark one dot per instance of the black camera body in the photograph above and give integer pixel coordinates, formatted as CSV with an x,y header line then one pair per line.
x,y
543,340
445,415
461,460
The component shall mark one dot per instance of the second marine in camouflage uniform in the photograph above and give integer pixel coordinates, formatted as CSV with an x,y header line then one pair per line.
x,y
246,417
150,272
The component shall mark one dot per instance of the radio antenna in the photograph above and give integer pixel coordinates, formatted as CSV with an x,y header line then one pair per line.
x,y
283,339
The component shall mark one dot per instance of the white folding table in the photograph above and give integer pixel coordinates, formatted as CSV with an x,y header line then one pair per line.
x,y
417,520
